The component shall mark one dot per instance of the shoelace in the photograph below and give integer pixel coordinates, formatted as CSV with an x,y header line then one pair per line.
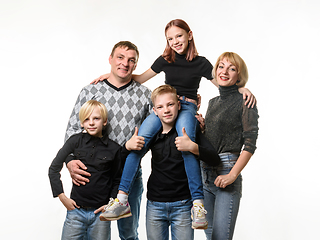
x,y
199,209
111,202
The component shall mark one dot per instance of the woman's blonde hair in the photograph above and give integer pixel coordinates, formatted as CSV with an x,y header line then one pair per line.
x,y
238,62
88,108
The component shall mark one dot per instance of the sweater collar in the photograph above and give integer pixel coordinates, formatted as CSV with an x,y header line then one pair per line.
x,y
227,91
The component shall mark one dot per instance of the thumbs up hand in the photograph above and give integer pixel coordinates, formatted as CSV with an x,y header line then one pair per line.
x,y
184,143
136,142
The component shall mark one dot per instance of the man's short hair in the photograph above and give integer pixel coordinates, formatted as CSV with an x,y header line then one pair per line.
x,y
125,44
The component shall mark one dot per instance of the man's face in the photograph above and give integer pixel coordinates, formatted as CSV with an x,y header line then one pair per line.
x,y
123,63
166,107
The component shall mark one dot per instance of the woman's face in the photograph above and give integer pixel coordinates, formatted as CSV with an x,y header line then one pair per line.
x,y
226,73
178,39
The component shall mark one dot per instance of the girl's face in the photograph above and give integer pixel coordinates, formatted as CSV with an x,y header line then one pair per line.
x,y
178,39
226,73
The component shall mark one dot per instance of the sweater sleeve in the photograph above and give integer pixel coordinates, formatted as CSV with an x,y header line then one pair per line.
x,y
207,153
74,121
250,127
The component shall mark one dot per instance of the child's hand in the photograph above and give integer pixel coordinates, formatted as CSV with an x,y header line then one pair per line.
x,y
101,78
100,209
69,203
136,142
251,100
184,143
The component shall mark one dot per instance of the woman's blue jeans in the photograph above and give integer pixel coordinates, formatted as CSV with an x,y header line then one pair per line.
x,y
149,128
160,216
222,204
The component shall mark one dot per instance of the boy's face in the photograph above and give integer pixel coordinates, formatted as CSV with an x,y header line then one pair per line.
x,y
94,123
166,107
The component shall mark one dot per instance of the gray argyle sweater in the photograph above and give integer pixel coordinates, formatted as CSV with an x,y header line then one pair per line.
x,y
127,107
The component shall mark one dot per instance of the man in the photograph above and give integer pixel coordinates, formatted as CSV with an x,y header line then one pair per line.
x,y
169,200
129,104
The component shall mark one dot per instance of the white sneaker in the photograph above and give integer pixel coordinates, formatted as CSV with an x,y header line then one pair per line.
x,y
198,216
115,210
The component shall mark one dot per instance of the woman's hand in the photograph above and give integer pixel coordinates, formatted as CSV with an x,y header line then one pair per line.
x,y
251,99
200,119
223,181
101,78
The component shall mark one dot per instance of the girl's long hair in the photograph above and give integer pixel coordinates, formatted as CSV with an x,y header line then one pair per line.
x,y
169,53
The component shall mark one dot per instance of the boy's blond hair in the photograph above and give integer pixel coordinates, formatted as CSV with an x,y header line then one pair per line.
x,y
237,61
161,90
88,108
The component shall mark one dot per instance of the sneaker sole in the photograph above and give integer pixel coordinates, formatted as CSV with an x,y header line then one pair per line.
x,y
102,218
200,227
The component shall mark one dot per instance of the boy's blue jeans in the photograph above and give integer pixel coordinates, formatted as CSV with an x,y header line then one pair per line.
x,y
84,224
222,204
160,216
149,128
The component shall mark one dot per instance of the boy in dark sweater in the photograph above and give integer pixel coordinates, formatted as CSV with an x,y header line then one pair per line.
x,y
169,199
104,158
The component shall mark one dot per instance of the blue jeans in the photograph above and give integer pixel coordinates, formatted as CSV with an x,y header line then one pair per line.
x,y
161,215
128,227
84,224
222,204
149,128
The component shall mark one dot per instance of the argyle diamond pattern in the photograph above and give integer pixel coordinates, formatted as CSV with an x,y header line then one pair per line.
x,y
127,108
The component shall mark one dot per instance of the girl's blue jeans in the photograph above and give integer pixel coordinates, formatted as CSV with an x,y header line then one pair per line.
x,y
222,204
149,128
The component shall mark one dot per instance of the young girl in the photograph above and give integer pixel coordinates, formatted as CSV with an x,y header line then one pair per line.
x,y
183,70
235,141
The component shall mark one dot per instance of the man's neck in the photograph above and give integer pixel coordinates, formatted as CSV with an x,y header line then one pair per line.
x,y
118,82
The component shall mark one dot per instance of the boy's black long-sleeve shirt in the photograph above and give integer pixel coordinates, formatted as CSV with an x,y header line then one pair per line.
x,y
104,160
168,181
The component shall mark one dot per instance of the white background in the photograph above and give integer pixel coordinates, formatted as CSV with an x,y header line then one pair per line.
x,y
51,49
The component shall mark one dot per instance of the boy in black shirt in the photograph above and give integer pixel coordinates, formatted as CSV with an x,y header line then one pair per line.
x,y
104,159
169,199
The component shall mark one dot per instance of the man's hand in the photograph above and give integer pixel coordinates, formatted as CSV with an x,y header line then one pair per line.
x,y
77,172
136,142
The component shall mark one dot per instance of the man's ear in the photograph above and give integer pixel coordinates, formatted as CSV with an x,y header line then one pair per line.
x,y
179,105
110,58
